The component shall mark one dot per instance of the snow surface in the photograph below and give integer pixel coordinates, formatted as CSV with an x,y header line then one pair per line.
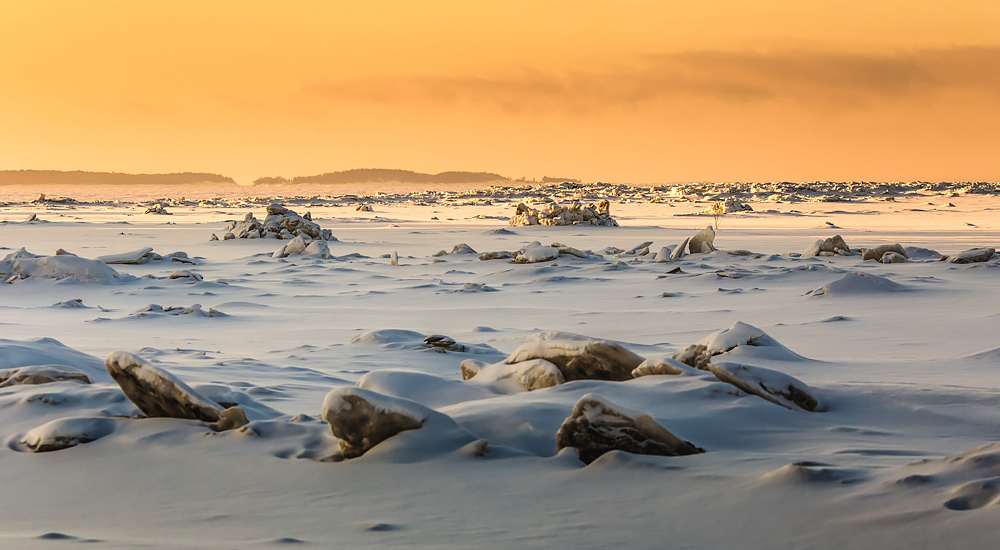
x,y
903,454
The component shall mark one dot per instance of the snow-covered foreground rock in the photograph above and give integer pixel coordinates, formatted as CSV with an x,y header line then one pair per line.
x,y
391,396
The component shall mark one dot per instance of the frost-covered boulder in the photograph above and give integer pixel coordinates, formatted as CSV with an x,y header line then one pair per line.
x,y
552,213
774,386
660,366
880,250
834,245
534,374
42,374
580,359
857,283
24,265
597,426
158,393
893,258
743,339
972,255
702,241
362,419
156,208
67,432
534,253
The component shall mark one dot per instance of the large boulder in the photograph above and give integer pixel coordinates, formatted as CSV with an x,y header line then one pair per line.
x,y
581,359
362,419
158,393
972,255
597,426
702,241
774,386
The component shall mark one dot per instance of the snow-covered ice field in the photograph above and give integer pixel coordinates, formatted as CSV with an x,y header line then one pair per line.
x,y
904,362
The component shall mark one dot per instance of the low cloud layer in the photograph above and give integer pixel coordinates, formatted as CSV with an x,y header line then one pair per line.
x,y
814,79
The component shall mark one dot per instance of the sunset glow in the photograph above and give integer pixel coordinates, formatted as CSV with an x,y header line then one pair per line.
x,y
636,91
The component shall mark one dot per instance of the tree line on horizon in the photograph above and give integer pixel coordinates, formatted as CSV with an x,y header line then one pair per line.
x,y
383,175
80,177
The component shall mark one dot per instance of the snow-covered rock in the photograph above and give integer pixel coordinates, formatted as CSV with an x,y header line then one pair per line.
x,y
158,393
530,375
23,265
158,310
972,255
743,339
581,359
660,366
880,250
362,419
42,374
535,252
67,432
834,245
156,208
774,386
280,223
48,352
597,426
702,241
893,258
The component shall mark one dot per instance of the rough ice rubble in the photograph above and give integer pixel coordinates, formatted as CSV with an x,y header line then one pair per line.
x,y
280,223
143,256
300,246
24,265
551,213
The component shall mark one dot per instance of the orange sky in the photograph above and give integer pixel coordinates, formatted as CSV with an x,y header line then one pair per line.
x,y
635,91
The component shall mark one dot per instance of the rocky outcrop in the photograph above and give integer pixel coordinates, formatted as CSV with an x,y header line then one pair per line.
x,y
25,265
157,393
301,246
774,386
598,426
551,213
362,419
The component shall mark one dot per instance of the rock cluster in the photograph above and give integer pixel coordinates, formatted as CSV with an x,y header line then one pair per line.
x,y
141,256
832,246
728,206
156,208
300,246
701,242
195,309
280,223
551,213
878,253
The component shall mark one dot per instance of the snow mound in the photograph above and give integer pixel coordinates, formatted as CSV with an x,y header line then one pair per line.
x,y
530,375
66,432
857,283
744,340
49,352
24,265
